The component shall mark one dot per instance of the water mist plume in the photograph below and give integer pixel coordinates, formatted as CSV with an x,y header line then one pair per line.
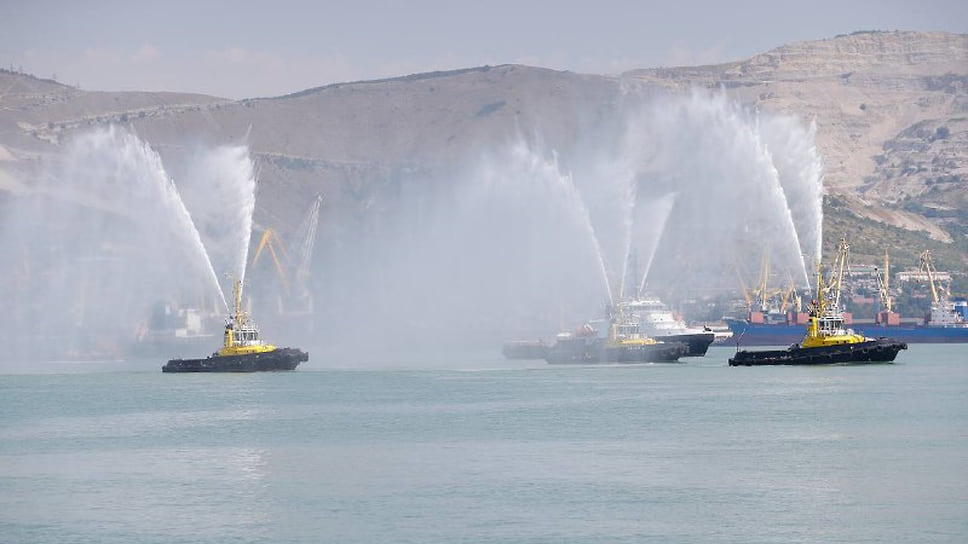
x,y
534,171
800,169
218,187
521,240
113,168
652,223
739,184
104,252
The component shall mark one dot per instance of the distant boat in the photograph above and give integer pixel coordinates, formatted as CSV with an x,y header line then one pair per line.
x,y
242,350
826,341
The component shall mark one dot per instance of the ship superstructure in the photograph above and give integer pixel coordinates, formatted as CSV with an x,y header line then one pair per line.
x,y
655,320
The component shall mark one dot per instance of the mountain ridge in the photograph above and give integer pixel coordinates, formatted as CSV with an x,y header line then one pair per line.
x,y
890,109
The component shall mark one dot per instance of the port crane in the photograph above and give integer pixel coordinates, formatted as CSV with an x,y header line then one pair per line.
x,y
307,232
927,267
270,240
840,267
883,284
791,298
778,298
763,294
942,311
293,274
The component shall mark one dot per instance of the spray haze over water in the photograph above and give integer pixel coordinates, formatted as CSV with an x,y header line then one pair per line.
x,y
112,168
742,179
521,240
105,239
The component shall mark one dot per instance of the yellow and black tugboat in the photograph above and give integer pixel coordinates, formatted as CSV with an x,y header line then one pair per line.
x,y
827,341
625,344
242,350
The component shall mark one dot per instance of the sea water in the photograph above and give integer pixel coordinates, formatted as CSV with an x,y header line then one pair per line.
x,y
489,451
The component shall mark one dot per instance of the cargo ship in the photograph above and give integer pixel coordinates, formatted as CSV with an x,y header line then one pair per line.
x,y
777,334
947,321
827,340
242,350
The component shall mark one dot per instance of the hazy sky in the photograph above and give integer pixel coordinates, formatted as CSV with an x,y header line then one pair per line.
x,y
243,49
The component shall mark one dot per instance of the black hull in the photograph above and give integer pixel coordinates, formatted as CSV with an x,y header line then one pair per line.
x,y
666,352
525,349
697,343
580,352
574,351
276,360
881,350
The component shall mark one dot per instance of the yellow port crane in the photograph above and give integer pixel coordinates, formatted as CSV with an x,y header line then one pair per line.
x,y
294,276
790,297
761,296
839,268
271,240
928,267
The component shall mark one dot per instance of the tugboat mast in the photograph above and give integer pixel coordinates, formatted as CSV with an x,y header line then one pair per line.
x,y
240,317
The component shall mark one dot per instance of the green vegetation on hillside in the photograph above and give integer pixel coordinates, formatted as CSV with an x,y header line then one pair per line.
x,y
869,239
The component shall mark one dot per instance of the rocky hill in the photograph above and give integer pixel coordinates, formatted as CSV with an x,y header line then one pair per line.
x,y
891,110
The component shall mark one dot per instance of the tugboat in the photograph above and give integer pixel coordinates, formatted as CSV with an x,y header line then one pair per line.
x,y
826,340
242,350
624,345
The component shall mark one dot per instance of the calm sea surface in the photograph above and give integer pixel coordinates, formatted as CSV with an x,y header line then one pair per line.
x,y
488,450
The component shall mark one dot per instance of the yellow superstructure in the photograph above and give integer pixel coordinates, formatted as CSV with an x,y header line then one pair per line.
x,y
241,335
825,326
624,332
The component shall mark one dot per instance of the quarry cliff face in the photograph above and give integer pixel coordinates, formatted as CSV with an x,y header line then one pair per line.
x,y
890,110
